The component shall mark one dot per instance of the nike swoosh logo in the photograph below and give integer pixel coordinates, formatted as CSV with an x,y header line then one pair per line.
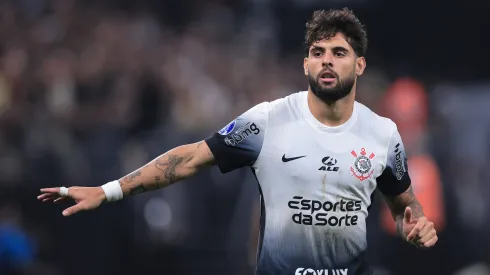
x,y
284,159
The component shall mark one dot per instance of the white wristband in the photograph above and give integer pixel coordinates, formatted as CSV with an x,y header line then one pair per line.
x,y
113,191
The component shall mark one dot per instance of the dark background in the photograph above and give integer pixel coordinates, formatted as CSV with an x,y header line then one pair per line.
x,y
91,90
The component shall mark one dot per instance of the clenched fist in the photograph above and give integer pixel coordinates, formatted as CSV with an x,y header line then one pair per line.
x,y
86,198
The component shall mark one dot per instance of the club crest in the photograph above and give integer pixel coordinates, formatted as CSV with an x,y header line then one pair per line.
x,y
362,168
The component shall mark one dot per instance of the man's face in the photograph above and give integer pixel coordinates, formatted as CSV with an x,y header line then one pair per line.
x,y
332,68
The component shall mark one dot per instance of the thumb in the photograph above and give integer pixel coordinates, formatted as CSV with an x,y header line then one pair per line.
x,y
407,217
72,210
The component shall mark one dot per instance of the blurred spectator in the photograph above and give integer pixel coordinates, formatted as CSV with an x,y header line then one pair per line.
x,y
406,103
90,90
16,248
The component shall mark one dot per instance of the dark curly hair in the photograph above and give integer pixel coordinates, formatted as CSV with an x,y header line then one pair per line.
x,y
325,24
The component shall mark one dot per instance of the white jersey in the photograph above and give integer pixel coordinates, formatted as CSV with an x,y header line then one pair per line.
x,y
316,182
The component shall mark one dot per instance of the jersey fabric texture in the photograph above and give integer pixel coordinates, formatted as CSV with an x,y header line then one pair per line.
x,y
316,182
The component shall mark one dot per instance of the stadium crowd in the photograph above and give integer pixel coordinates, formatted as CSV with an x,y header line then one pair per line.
x,y
90,91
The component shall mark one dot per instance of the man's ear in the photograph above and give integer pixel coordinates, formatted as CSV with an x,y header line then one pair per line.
x,y
360,65
305,66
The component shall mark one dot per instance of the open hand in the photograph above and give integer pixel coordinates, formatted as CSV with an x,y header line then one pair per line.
x,y
86,198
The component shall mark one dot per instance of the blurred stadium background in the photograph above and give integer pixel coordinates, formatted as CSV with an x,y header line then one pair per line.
x,y
91,90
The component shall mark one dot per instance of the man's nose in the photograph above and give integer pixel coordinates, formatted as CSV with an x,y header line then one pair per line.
x,y
327,60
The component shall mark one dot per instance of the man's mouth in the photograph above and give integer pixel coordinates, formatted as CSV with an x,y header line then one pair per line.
x,y
327,77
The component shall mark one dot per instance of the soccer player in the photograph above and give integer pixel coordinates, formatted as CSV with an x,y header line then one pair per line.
x,y
318,156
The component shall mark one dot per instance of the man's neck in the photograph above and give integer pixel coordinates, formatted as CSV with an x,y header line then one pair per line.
x,y
334,113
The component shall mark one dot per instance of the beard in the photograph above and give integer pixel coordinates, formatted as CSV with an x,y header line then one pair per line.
x,y
329,95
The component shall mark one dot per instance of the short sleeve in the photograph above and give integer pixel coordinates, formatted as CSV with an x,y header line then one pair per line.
x,y
239,143
395,178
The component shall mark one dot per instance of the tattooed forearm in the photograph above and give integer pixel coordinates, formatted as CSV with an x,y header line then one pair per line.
x,y
129,178
158,181
398,204
399,226
178,163
417,209
137,189
168,166
413,203
147,178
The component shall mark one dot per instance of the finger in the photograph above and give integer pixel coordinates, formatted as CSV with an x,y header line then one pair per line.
x,y
73,210
48,199
425,238
416,229
431,242
60,199
407,216
52,190
46,195
426,229
413,234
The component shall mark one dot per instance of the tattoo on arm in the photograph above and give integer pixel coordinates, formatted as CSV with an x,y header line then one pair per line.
x,y
168,166
137,189
399,226
158,181
129,178
140,188
398,204
414,204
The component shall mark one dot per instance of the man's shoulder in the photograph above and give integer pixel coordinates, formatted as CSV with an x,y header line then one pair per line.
x,y
263,110
378,124
290,101
293,98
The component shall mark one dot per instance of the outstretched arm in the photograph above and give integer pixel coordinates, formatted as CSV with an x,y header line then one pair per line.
x,y
236,145
176,164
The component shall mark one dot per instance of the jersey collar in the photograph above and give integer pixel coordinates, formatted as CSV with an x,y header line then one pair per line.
x,y
321,127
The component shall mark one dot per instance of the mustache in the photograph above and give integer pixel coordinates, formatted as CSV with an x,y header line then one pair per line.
x,y
327,71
